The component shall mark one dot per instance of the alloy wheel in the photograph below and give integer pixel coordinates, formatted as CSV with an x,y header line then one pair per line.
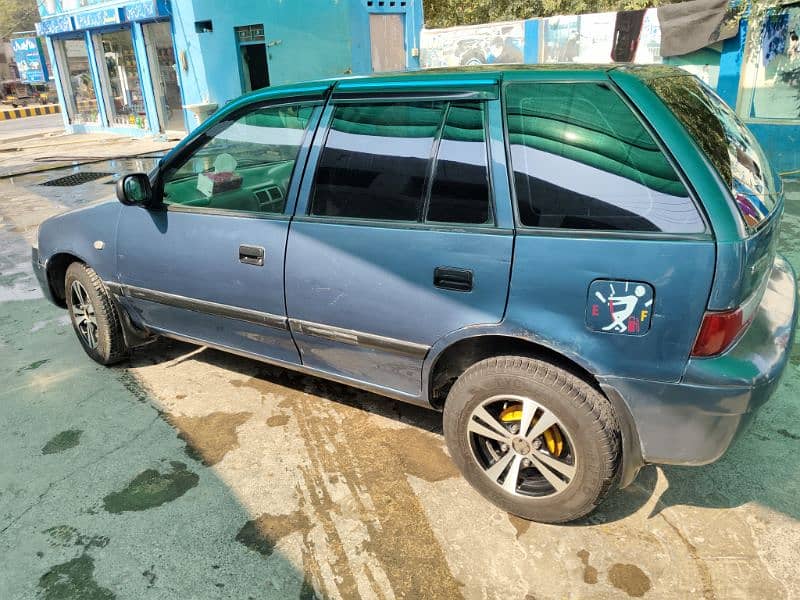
x,y
83,313
522,446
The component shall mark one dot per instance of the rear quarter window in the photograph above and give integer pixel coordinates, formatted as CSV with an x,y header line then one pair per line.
x,y
581,159
725,141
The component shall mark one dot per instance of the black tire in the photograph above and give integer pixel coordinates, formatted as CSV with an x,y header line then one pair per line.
x,y
582,411
109,346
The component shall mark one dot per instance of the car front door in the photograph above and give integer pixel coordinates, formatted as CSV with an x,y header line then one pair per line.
x,y
399,239
207,264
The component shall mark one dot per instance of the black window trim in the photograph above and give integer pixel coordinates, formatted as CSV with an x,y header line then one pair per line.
x,y
324,129
532,230
203,138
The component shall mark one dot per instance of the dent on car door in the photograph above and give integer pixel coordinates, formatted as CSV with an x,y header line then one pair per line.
x,y
614,260
399,244
208,263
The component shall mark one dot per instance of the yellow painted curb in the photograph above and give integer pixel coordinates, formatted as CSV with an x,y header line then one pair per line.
x,y
33,111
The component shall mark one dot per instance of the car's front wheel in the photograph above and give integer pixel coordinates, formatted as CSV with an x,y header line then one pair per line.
x,y
93,315
533,438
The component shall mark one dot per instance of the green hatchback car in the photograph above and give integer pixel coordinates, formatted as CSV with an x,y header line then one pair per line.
x,y
577,265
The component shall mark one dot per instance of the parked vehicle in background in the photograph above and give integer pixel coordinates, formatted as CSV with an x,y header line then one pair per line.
x,y
576,265
20,93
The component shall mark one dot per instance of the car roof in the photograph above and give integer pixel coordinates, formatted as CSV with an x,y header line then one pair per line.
x,y
481,74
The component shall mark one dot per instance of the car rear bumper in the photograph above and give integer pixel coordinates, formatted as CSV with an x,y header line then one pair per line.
x,y
693,422
40,271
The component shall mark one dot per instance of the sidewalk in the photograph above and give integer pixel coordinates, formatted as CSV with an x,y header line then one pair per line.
x,y
25,154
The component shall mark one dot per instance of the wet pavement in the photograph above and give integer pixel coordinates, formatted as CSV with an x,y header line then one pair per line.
x,y
189,473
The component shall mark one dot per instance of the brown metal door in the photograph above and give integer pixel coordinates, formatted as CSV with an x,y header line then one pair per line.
x,y
387,41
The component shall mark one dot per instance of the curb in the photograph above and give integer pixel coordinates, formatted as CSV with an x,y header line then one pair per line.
x,y
34,111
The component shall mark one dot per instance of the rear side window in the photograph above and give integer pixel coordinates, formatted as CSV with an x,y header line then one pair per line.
x,y
582,160
413,162
725,141
460,190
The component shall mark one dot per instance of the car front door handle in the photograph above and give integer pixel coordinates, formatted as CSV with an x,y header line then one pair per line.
x,y
251,255
452,278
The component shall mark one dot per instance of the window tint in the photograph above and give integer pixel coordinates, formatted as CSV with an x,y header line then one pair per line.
x,y
460,190
725,141
245,164
375,161
582,160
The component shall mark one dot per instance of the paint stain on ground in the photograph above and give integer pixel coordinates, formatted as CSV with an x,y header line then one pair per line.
x,y
211,437
263,533
521,525
73,580
34,365
278,420
150,576
65,536
62,441
589,572
630,579
152,488
788,434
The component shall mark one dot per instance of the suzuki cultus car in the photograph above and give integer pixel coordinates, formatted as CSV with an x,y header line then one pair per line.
x,y
576,265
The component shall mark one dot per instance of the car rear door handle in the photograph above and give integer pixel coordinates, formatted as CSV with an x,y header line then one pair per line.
x,y
452,278
251,255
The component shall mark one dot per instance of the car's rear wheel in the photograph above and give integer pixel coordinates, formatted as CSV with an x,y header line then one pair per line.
x,y
93,315
533,438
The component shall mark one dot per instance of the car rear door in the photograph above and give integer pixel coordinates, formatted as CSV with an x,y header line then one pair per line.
x,y
208,264
400,237
614,259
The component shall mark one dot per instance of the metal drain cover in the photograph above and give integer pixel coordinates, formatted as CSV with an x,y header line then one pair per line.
x,y
76,179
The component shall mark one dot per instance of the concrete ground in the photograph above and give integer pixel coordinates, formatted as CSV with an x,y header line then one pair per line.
x,y
25,150
31,126
189,473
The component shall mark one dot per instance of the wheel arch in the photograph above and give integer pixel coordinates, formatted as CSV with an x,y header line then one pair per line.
x,y
56,269
448,359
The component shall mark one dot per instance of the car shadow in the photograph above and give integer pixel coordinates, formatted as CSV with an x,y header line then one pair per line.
x,y
171,350
757,468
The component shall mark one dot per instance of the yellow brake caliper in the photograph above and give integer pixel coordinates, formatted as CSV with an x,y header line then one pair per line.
x,y
552,436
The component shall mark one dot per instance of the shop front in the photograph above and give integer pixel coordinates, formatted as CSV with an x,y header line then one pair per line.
x,y
115,66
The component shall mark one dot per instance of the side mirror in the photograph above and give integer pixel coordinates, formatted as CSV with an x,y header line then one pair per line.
x,y
134,189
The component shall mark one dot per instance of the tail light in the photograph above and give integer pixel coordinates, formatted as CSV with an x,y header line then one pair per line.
x,y
721,328
718,331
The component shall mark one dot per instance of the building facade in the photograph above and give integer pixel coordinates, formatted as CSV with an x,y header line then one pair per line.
x,y
140,67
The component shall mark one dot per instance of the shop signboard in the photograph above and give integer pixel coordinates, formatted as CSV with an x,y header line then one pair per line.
x,y
55,25
29,56
138,11
97,18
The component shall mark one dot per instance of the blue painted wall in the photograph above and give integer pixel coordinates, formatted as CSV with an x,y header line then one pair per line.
x,y
306,40
309,39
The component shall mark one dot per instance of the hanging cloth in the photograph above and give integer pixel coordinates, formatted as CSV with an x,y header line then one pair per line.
x,y
689,26
626,35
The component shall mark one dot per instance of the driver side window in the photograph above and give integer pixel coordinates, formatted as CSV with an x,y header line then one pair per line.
x,y
244,165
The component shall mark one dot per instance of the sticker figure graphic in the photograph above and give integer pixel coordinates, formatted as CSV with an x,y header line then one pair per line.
x,y
620,307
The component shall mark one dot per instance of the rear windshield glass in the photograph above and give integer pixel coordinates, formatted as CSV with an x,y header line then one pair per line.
x,y
726,142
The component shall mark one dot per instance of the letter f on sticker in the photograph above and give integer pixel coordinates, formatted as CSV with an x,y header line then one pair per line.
x,y
644,315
